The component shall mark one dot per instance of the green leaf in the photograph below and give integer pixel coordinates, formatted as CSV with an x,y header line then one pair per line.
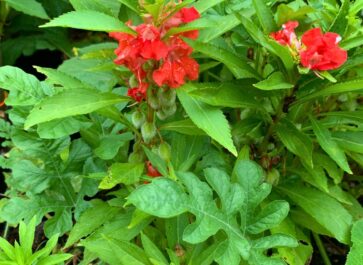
x,y
54,259
86,20
183,126
70,103
203,6
340,22
60,223
108,7
133,5
265,16
29,7
26,237
61,127
152,251
236,64
270,216
163,198
275,81
7,248
218,25
125,173
209,119
295,141
351,141
355,255
24,88
324,209
329,145
110,144
351,43
156,161
90,220
275,241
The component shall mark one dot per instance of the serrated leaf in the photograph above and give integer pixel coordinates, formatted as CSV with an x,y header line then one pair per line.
x,y
70,103
86,20
29,7
209,119
295,141
329,145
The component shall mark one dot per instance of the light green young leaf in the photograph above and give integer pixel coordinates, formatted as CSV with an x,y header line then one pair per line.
x,y
54,259
133,5
355,255
328,212
295,141
275,81
329,145
203,6
70,103
125,173
26,237
105,6
183,126
29,7
209,119
86,20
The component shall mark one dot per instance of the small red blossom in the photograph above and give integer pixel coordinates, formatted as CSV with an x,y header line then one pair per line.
x,y
151,171
183,16
321,51
138,93
286,36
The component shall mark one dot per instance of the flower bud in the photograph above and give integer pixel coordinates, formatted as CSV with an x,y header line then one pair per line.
x,y
153,102
133,81
169,110
165,151
148,131
138,119
136,157
161,115
167,98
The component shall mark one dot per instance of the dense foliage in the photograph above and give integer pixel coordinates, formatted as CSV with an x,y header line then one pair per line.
x,y
182,132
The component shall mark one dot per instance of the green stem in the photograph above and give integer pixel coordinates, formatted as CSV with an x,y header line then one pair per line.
x,y
5,234
321,248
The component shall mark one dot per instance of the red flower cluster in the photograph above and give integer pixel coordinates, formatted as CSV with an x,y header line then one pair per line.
x,y
151,171
317,51
152,56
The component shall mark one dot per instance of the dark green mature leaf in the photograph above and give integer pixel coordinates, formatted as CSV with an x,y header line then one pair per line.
x,y
70,103
209,119
355,255
235,64
329,145
24,88
29,7
324,209
295,141
86,20
351,141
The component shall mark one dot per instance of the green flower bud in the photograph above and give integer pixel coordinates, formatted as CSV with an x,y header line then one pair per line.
x,y
165,151
138,119
148,131
153,102
169,110
161,115
136,157
167,98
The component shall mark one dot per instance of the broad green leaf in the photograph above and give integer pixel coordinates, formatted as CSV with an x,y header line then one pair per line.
x,y
61,223
70,103
105,6
295,141
24,88
355,255
29,7
125,173
236,64
209,119
110,144
275,241
61,127
163,198
90,220
326,142
86,20
152,251
324,209
265,16
274,81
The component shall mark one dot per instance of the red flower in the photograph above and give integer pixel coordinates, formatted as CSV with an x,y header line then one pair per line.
x,y
177,66
185,15
151,171
287,36
151,46
138,93
321,51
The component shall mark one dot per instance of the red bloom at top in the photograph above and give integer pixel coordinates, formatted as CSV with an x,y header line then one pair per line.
x,y
177,66
286,36
321,51
185,15
151,46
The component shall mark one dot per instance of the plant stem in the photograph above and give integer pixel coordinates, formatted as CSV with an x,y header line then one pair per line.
x,y
321,248
5,234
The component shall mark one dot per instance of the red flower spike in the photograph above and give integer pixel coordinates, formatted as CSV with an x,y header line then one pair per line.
x,y
287,36
321,51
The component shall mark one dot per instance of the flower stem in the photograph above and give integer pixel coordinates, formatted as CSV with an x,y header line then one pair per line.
x,y
321,248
